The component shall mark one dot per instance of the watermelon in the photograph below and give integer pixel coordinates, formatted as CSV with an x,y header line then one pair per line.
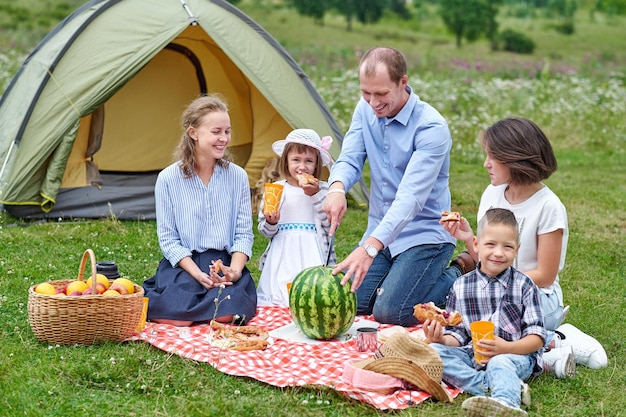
x,y
320,306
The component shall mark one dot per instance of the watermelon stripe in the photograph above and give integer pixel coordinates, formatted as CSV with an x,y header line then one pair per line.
x,y
320,306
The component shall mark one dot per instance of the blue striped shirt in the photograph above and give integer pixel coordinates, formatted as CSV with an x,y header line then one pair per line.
x,y
194,217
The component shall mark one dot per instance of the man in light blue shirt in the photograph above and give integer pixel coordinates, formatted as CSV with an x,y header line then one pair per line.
x,y
401,259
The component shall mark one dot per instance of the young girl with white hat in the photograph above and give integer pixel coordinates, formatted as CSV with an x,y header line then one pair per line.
x,y
298,230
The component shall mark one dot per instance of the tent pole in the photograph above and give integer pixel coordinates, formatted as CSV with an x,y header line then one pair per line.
x,y
192,19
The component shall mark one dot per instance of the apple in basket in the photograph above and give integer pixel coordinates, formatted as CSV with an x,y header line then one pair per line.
x,y
118,288
100,289
75,288
123,286
100,279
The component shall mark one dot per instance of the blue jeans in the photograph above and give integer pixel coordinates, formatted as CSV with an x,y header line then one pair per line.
x,y
552,313
500,377
552,310
392,286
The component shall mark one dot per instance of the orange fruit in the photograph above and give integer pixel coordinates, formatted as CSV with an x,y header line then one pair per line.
x,y
76,286
45,288
111,292
126,283
99,278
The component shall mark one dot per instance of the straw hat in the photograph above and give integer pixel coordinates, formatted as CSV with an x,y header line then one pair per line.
x,y
308,137
412,360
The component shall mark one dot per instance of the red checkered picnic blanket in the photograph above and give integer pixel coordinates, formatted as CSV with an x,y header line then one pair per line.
x,y
283,363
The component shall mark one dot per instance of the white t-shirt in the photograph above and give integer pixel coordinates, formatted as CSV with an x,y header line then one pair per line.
x,y
542,213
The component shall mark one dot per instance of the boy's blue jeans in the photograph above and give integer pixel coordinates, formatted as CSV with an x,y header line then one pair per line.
x,y
393,286
499,379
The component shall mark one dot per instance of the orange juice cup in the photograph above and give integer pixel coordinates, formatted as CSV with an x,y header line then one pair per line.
x,y
144,313
481,330
273,194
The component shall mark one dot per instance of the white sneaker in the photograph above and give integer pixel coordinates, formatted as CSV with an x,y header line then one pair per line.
x,y
480,406
587,350
560,361
525,394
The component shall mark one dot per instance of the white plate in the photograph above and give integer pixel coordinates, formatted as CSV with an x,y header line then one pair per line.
x,y
291,333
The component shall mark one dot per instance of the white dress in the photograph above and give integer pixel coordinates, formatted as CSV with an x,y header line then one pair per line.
x,y
293,248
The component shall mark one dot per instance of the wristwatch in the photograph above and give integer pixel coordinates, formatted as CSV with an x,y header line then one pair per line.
x,y
370,249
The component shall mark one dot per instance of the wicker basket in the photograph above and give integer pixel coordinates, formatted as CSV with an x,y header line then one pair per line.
x,y
86,319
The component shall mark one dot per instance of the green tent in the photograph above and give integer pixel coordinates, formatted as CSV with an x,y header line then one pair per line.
x,y
93,114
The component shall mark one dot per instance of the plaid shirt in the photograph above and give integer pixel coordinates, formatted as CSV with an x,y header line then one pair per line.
x,y
510,300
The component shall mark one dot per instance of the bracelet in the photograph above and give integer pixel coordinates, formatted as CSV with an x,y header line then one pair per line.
x,y
336,190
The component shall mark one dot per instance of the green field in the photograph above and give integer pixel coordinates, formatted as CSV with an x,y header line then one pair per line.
x,y
572,86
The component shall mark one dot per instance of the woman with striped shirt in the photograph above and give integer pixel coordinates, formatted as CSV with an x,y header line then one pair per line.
x,y
203,215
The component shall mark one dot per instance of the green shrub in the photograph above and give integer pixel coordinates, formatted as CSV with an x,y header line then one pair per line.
x,y
565,28
512,41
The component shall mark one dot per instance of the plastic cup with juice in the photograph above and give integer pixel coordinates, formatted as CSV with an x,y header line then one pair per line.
x,y
273,194
481,330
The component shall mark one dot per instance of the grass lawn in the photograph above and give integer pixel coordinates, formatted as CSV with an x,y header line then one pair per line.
x,y
581,110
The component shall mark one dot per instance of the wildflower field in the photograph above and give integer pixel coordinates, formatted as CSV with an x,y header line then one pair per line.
x,y
573,87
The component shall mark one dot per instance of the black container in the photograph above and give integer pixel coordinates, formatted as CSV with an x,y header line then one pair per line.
x,y
108,269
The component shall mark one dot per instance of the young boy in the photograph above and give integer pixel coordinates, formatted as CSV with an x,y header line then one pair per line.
x,y
496,292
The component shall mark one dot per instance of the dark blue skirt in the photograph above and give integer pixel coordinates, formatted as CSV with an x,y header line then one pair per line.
x,y
175,295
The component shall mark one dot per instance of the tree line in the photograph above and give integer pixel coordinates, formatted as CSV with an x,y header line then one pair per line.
x,y
466,19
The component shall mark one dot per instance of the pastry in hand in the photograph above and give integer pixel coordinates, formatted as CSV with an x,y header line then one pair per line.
x,y
216,266
306,179
429,311
450,216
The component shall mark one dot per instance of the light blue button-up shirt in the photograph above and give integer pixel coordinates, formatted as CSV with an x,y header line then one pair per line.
x,y
409,159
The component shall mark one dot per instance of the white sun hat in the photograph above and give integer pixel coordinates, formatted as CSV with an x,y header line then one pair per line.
x,y
308,137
